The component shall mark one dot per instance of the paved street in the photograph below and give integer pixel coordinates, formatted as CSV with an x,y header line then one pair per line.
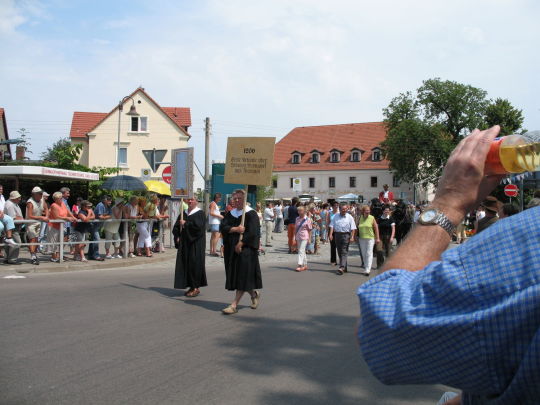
x,y
124,336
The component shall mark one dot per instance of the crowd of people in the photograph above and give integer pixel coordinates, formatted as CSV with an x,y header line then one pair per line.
x,y
83,225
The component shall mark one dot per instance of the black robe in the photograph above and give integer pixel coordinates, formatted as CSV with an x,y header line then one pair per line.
x,y
242,271
190,268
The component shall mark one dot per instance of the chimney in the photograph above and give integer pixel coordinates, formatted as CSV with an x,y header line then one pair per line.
x,y
19,153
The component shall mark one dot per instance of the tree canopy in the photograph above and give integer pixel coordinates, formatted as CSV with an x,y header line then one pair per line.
x,y
423,128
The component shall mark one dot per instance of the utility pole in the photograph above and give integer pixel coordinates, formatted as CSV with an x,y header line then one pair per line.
x,y
206,165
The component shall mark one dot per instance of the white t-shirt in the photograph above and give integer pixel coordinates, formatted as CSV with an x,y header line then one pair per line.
x,y
268,214
2,203
212,220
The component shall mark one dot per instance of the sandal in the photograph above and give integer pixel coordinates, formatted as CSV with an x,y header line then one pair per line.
x,y
229,310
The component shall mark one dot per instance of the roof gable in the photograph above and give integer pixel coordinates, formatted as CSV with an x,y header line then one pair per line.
x,y
327,138
180,117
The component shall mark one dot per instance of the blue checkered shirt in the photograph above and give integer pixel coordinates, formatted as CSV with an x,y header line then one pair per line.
x,y
470,320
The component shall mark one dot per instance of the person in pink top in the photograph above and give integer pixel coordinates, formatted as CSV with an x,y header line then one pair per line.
x,y
58,210
302,232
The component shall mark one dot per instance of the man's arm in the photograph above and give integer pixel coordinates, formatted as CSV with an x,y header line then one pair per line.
x,y
461,189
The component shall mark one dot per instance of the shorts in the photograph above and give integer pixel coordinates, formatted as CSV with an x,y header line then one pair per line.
x,y
214,227
78,236
33,230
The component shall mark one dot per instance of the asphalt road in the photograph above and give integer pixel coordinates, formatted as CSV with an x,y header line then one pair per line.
x,y
124,336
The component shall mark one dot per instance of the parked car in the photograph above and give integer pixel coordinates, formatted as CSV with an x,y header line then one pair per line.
x,y
305,198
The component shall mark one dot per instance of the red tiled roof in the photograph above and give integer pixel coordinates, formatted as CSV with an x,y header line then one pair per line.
x,y
179,116
83,122
345,137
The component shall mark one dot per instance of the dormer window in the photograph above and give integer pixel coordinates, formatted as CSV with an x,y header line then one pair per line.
x,y
296,157
376,154
315,156
356,154
335,155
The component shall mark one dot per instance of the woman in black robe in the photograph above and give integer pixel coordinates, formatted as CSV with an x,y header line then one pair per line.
x,y
242,269
190,240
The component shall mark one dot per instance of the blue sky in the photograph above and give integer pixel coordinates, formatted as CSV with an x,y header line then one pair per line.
x,y
254,67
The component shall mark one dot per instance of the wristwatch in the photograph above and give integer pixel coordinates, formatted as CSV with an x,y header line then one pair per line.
x,y
432,216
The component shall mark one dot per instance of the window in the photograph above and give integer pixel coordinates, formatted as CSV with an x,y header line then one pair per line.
x,y
290,182
139,124
376,155
331,182
312,182
274,183
355,157
352,182
334,157
122,156
373,181
314,158
296,158
395,182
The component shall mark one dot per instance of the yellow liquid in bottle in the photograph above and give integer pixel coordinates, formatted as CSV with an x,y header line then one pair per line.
x,y
520,158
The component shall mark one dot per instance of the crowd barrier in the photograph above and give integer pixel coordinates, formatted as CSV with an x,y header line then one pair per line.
x,y
62,243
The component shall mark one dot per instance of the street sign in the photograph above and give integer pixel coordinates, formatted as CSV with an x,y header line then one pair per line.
x,y
511,190
297,184
167,174
146,174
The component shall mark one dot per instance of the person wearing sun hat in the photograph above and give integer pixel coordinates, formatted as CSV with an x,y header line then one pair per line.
x,y
36,209
13,210
491,206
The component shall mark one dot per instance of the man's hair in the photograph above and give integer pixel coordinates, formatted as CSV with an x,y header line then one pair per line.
x,y
268,203
239,191
343,204
65,190
106,198
294,200
216,195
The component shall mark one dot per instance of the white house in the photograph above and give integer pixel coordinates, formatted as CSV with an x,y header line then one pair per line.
x,y
154,127
333,160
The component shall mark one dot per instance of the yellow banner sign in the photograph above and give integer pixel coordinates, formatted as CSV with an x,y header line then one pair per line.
x,y
250,161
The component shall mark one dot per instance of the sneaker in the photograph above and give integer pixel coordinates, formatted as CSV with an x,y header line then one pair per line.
x,y
229,310
35,261
54,260
84,260
109,257
255,300
118,257
131,254
365,273
10,241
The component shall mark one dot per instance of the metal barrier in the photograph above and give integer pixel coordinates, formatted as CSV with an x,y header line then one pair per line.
x,y
125,237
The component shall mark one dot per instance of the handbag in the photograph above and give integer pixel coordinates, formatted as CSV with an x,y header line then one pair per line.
x,y
378,247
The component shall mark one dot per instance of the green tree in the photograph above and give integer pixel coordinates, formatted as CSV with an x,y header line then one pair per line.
x,y
424,127
24,140
64,154
501,112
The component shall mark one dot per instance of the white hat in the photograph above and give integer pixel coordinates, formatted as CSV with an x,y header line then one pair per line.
x,y
37,189
14,195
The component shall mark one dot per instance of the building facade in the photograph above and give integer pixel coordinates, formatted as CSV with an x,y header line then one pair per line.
x,y
5,149
334,160
154,127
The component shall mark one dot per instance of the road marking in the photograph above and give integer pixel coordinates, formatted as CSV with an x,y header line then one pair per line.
x,y
14,276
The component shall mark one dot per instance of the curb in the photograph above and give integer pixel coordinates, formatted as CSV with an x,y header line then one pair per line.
x,y
47,267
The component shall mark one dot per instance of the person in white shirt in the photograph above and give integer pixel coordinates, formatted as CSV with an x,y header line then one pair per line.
x,y
278,210
342,230
214,220
268,217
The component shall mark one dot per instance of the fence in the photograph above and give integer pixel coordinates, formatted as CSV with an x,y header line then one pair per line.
x,y
124,239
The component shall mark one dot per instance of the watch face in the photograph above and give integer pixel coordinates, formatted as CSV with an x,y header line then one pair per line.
x,y
429,215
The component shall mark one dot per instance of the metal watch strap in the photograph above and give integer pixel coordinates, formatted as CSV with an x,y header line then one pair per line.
x,y
445,223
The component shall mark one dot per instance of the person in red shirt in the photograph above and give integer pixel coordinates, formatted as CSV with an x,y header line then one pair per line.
x,y
58,210
386,196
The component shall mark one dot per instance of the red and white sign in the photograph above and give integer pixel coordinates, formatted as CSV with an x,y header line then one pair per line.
x,y
511,190
167,174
